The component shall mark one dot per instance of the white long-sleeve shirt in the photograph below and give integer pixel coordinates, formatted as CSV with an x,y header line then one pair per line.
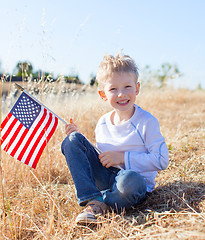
x,y
141,141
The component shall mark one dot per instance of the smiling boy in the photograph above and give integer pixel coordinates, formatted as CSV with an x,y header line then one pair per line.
x,y
132,147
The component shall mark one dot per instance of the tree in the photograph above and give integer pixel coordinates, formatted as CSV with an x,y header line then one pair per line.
x,y
41,75
92,80
72,79
166,72
24,68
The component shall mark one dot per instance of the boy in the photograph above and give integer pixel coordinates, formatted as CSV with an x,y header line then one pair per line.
x,y
132,147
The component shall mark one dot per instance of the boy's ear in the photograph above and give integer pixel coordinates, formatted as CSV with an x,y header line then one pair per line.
x,y
102,95
137,88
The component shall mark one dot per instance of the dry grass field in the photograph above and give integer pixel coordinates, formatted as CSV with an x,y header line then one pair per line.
x,y
41,203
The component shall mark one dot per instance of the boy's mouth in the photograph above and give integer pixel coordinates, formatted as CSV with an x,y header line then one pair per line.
x,y
123,102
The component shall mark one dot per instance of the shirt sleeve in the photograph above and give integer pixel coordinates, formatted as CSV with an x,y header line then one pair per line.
x,y
156,158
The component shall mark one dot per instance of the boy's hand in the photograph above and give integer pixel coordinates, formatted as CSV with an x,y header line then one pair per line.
x,y
71,127
111,159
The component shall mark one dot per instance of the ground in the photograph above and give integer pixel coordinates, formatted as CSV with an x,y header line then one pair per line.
x,y
41,203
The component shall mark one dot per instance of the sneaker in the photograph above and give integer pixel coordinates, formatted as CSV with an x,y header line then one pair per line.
x,y
93,209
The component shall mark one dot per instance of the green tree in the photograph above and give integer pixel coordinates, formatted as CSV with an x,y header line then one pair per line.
x,y
24,68
166,72
72,79
92,80
41,75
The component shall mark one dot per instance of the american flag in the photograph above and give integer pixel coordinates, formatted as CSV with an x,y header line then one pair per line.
x,y
27,129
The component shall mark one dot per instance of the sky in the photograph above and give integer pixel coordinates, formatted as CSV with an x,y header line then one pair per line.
x,y
71,36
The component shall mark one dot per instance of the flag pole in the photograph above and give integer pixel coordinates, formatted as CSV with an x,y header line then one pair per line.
x,y
23,90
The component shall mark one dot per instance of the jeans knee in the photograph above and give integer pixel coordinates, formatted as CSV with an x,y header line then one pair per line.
x,y
72,138
130,182
75,136
128,190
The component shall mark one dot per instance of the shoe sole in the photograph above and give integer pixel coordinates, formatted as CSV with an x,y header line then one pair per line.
x,y
86,222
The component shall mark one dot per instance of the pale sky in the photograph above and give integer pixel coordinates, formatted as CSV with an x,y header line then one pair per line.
x,y
71,36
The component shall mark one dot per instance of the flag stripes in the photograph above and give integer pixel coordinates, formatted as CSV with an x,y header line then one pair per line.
x,y
27,145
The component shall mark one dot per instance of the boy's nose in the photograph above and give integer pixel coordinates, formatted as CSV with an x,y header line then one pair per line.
x,y
121,93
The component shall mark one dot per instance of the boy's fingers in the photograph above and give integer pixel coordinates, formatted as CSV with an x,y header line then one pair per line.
x,y
70,128
103,154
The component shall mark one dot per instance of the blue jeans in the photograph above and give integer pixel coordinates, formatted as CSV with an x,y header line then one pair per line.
x,y
119,188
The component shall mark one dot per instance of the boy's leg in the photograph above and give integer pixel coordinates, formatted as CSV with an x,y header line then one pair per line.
x,y
88,174
129,188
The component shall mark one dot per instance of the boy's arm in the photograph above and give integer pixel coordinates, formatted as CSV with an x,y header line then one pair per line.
x,y
157,156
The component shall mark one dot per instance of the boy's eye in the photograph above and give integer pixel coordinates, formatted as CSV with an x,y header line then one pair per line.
x,y
128,86
112,89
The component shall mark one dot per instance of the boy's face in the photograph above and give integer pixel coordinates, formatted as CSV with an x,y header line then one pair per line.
x,y
120,91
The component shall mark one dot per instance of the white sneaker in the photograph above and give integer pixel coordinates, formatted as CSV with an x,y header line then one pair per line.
x,y
93,209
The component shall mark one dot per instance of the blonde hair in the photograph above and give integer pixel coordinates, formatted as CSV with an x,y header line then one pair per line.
x,y
119,63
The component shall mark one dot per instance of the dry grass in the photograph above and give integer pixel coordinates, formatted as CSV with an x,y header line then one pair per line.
x,y
41,203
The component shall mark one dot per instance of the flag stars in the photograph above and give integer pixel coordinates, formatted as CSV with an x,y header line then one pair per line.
x,y
26,110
